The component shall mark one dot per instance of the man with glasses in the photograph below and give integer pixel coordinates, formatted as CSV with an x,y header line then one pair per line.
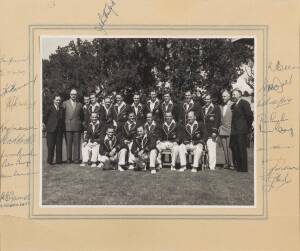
x,y
73,126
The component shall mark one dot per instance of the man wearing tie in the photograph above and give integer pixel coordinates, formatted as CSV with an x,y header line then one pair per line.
x,y
73,126
225,127
241,123
193,137
212,117
53,122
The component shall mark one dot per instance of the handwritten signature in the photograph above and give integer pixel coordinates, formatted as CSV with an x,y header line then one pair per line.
x,y
106,12
279,174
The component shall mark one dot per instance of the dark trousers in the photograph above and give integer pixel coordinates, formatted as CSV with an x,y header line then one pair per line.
x,y
238,145
73,145
54,141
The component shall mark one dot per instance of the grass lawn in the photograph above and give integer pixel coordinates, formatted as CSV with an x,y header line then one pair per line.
x,y
70,184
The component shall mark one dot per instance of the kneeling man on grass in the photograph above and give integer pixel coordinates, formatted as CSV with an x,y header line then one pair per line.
x,y
168,139
90,146
108,152
144,150
192,137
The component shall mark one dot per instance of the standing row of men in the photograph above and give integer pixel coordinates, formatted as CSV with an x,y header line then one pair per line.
x,y
132,135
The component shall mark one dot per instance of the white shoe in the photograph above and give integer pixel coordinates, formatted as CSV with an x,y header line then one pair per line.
x,y
130,167
100,165
194,170
153,171
173,168
182,169
82,164
120,169
93,165
159,166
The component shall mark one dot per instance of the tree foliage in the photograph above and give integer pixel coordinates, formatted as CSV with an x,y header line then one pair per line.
x,y
132,64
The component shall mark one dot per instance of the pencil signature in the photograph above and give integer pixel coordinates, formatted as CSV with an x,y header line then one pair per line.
x,y
106,12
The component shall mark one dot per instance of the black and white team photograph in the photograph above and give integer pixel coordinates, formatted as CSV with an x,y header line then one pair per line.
x,y
148,121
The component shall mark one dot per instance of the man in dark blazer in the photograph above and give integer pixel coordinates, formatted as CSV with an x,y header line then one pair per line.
x,y
212,119
105,112
241,124
151,127
192,137
144,150
168,138
138,109
108,150
91,141
189,105
120,111
73,126
94,105
86,112
168,106
53,121
126,134
153,106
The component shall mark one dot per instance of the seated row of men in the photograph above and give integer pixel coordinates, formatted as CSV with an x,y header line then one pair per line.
x,y
134,145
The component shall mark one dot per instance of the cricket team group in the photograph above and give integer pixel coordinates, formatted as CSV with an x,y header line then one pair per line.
x,y
112,134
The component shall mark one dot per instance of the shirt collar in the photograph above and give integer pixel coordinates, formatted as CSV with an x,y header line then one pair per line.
x,y
170,102
191,102
192,125
97,123
96,104
156,100
172,122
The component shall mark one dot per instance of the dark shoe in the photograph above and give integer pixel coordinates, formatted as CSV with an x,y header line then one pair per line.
x,y
59,162
50,163
69,161
77,162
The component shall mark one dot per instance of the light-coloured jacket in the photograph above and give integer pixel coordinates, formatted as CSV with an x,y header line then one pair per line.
x,y
225,127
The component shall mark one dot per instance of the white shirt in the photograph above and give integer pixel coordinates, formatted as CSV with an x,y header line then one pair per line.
x,y
94,106
120,106
186,105
169,126
136,108
152,104
206,108
191,126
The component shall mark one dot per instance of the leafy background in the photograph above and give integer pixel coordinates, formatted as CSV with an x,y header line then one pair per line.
x,y
129,65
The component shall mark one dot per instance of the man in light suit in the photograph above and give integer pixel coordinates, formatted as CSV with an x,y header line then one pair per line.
x,y
241,123
73,126
225,127
54,123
